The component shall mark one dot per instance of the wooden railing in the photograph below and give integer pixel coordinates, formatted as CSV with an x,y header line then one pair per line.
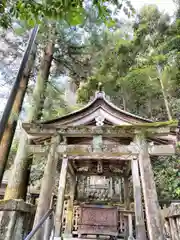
x,y
171,217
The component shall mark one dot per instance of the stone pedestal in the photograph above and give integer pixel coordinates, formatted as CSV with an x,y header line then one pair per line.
x,y
16,219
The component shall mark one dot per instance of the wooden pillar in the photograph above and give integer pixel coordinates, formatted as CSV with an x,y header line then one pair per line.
x,y
49,223
130,225
139,215
120,190
60,197
17,182
47,184
110,187
126,193
153,215
6,141
70,208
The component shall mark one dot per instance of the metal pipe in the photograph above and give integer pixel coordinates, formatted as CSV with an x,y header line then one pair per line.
x,y
15,88
36,228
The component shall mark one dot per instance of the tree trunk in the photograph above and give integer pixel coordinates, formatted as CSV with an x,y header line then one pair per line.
x,y
164,95
16,109
16,189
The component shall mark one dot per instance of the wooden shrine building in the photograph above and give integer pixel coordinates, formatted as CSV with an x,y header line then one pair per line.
x,y
106,153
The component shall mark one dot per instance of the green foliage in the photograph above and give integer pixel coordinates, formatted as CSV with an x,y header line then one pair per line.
x,y
126,63
73,11
167,177
130,70
55,105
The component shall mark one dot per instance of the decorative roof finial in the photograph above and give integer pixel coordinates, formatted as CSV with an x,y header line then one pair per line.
x,y
100,87
99,93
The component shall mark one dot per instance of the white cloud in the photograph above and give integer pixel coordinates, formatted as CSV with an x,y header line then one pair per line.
x,y
163,5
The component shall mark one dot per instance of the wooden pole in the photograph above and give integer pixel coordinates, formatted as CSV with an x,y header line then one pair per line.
x,y
139,216
10,102
69,222
17,182
9,131
49,222
16,188
120,190
153,215
60,197
47,184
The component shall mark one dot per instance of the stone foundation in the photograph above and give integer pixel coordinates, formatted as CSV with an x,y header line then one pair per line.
x,y
16,219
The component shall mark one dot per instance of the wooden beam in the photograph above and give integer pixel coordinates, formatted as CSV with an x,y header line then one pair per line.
x,y
158,129
162,150
104,156
105,173
38,149
110,150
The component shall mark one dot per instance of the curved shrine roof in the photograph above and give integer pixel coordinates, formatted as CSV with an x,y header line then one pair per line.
x,y
98,107
99,111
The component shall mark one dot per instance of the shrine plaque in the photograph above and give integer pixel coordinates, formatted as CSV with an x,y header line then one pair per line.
x,y
98,220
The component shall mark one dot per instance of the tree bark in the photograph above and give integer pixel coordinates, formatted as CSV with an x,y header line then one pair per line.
x,y
16,109
153,215
20,171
